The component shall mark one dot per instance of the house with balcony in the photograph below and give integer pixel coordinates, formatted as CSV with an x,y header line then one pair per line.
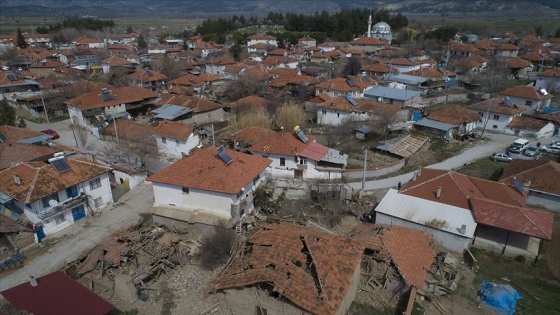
x,y
293,154
92,109
57,194
210,186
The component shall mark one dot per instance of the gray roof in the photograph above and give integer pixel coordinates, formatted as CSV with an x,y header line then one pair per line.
x,y
426,122
334,156
390,93
363,129
404,146
38,139
425,212
170,111
406,78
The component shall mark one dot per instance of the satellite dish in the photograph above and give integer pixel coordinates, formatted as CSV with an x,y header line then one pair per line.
x,y
53,203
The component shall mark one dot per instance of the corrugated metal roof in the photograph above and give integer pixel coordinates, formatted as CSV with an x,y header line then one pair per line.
x,y
335,156
428,213
390,93
406,78
426,122
38,139
169,111
405,146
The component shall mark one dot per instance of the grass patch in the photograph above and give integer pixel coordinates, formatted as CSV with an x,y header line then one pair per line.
x,y
484,168
361,308
539,288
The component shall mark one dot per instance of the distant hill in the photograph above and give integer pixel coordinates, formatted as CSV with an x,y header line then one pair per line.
x,y
538,9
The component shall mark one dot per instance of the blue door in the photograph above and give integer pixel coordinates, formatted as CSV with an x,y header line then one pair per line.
x,y
78,212
40,234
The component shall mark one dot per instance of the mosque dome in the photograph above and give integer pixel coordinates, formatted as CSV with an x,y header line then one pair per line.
x,y
381,27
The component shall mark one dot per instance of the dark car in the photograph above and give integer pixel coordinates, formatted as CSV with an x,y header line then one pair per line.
x,y
53,134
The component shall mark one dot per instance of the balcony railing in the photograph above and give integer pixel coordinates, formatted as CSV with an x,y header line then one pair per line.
x,y
63,206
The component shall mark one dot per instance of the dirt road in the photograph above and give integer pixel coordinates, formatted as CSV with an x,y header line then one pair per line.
x,y
74,241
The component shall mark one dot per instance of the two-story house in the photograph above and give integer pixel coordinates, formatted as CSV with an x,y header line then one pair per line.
x,y
268,40
56,194
534,99
293,155
496,113
340,110
367,44
210,186
216,66
352,85
149,79
175,139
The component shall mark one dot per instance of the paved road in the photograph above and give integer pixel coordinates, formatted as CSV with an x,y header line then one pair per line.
x,y
497,143
82,237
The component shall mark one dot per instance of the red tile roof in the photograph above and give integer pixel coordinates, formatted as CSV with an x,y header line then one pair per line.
x,y
517,63
543,175
130,130
261,37
511,218
13,153
197,104
430,73
123,95
314,269
497,105
14,134
455,115
250,102
527,123
146,76
174,130
341,104
250,135
57,294
368,41
550,73
456,187
527,92
342,85
287,143
204,170
39,179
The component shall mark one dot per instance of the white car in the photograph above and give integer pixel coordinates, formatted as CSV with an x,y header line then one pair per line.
x,y
550,149
502,157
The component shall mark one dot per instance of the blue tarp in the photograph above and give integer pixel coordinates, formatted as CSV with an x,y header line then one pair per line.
x,y
548,109
501,298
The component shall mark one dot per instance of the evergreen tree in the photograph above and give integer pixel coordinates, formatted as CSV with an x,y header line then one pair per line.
x,y
20,39
142,42
7,114
129,30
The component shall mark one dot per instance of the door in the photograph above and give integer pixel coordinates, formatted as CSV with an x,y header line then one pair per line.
x,y
78,212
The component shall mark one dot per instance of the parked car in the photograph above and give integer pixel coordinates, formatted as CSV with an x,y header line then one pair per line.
x,y
555,144
53,134
502,157
550,149
531,151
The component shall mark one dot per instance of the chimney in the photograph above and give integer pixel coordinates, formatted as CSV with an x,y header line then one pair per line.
x,y
463,229
17,179
33,281
438,193
419,172
282,130
414,176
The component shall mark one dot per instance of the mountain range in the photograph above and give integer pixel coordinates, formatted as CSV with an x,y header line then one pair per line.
x,y
537,9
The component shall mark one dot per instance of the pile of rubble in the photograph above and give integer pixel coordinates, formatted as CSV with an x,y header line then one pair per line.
x,y
130,261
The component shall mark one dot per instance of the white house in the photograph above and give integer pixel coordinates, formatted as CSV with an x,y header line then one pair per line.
x,y
456,208
354,85
528,127
367,44
262,39
340,110
534,99
549,80
175,139
85,109
217,66
212,186
54,195
294,155
404,65
496,113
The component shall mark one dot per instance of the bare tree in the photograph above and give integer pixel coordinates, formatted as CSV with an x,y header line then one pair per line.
x,y
256,118
170,68
246,85
289,115
384,117
494,78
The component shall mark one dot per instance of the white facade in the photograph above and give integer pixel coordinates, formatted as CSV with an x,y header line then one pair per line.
x,y
544,132
177,148
219,204
531,105
92,194
290,166
549,83
406,68
133,179
334,117
254,41
77,116
215,69
494,121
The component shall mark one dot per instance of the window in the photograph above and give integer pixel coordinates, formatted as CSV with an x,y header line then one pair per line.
x,y
97,202
496,117
95,183
282,162
239,194
335,94
337,114
265,156
529,103
481,114
46,199
302,161
320,91
495,127
177,142
163,140
256,179
59,219
185,190
324,111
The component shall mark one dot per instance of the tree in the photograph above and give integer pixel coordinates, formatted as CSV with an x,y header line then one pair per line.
x,y
235,50
129,30
7,114
352,67
557,33
289,115
22,123
246,85
21,43
142,42
169,68
255,118
385,115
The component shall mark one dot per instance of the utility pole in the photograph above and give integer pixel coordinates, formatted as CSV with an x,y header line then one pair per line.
x,y
365,168
44,107
76,140
116,129
213,140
